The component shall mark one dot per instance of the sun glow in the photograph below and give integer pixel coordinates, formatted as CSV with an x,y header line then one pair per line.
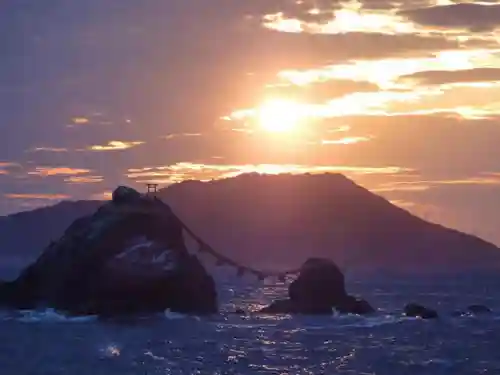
x,y
280,115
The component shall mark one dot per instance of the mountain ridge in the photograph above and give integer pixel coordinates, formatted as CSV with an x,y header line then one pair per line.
x,y
278,221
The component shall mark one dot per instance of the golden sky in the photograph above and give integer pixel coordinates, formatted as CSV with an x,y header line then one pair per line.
x,y
401,96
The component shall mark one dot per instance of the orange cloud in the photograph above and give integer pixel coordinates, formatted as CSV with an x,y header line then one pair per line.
x,y
37,196
58,171
4,167
49,149
345,141
423,185
185,171
105,195
172,136
402,203
115,145
83,179
80,120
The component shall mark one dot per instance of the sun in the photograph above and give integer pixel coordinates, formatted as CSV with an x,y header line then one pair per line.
x,y
279,115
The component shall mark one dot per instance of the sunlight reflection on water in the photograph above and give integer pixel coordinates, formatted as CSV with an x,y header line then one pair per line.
x,y
384,344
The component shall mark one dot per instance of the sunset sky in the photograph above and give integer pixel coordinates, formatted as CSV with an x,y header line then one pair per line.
x,y
401,96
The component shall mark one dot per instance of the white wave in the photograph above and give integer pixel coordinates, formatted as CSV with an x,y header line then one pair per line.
x,y
49,315
173,315
376,321
110,351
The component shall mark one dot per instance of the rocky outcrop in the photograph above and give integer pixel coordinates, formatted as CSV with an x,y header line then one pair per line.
x,y
319,288
128,257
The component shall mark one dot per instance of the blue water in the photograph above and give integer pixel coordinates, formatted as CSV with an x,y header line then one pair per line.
x,y
46,343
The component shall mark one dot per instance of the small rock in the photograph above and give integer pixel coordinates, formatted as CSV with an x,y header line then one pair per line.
x,y
418,311
352,305
319,288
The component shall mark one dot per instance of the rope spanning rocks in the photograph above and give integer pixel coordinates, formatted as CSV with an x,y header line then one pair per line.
x,y
222,260
203,247
128,257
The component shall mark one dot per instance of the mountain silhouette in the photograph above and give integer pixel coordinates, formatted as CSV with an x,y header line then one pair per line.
x,y
280,220
275,222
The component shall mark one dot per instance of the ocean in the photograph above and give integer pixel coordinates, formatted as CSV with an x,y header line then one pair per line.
x,y
47,343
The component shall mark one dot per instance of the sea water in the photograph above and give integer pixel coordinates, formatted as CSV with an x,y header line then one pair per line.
x,y
45,342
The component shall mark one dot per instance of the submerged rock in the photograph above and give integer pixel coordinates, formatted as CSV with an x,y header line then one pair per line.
x,y
478,309
128,257
319,288
418,311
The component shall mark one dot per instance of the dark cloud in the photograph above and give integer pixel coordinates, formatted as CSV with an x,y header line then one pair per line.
x,y
471,16
438,77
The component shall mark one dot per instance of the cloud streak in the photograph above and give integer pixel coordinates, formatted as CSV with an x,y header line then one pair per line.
x,y
48,197
115,145
186,171
57,171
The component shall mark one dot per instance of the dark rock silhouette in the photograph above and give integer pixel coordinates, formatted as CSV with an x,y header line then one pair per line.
x,y
414,310
128,257
319,288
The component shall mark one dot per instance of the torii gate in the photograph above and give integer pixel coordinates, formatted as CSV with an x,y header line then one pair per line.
x,y
152,188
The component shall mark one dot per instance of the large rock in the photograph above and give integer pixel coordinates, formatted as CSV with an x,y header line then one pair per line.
x,y
319,288
128,257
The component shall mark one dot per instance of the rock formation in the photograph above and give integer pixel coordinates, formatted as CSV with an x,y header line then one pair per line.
x,y
319,288
414,310
127,257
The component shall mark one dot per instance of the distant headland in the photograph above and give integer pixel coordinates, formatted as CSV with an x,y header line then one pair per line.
x,y
279,221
